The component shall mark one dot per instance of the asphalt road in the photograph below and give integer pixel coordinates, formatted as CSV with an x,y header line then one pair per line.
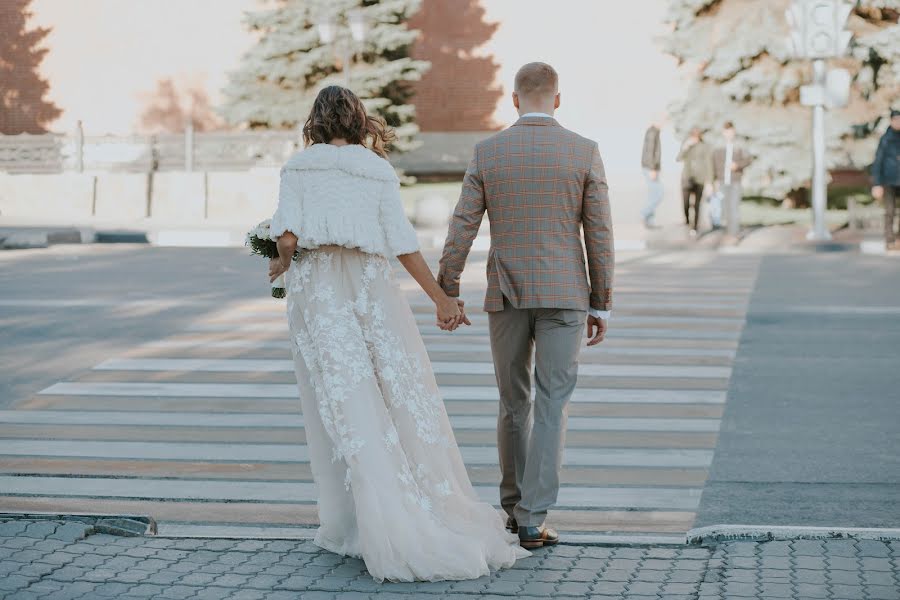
x,y
65,308
810,430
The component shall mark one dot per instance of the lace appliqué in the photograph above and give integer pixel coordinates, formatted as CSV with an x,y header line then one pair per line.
x,y
328,340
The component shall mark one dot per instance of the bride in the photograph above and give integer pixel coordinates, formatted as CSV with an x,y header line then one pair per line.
x,y
392,485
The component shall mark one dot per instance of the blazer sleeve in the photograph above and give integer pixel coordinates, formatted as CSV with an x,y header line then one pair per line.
x,y
464,226
398,231
598,235
288,215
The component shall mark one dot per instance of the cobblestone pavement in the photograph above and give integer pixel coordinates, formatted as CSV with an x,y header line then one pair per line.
x,y
68,560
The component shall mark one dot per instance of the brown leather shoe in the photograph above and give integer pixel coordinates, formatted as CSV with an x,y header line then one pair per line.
x,y
511,525
537,537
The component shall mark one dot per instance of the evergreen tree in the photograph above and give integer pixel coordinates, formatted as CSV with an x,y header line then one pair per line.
x,y
23,108
738,56
280,76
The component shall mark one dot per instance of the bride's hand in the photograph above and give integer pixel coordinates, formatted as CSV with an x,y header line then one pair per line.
x,y
277,269
449,314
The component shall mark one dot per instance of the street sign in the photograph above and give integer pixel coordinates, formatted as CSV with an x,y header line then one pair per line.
x,y
812,95
834,93
837,88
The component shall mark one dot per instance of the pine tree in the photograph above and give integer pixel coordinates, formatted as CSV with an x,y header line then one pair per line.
x,y
23,108
279,77
741,69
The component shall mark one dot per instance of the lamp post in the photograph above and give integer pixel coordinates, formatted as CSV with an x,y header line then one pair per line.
x,y
817,33
331,31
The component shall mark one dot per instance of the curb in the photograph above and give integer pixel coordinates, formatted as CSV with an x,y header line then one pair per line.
x,y
715,534
122,525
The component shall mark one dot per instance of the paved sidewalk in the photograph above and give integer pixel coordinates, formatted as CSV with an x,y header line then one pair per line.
x,y
66,560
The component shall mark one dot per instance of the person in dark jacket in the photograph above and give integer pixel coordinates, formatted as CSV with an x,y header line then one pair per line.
x,y
696,177
886,178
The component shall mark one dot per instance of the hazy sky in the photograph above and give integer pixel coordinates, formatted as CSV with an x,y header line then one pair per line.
x,y
105,53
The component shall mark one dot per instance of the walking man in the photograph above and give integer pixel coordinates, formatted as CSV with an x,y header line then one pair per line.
x,y
729,162
541,185
650,163
696,177
886,178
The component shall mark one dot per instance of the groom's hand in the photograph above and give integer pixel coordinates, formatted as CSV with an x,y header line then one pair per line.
x,y
459,319
464,320
596,330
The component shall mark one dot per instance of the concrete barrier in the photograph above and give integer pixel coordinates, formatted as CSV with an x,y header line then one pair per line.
x,y
247,197
178,197
121,196
56,198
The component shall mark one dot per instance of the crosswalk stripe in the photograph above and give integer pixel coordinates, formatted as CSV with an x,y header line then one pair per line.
x,y
251,391
490,422
226,365
203,451
266,491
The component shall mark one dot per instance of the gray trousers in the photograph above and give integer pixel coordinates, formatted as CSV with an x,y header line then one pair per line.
x,y
531,437
731,198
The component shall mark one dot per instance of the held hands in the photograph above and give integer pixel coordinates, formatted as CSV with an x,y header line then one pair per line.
x,y
596,330
878,192
654,175
277,268
451,314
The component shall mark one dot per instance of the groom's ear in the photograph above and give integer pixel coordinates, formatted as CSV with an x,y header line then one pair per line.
x,y
515,98
556,100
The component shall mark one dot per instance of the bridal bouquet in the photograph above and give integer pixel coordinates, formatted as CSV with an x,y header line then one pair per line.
x,y
260,243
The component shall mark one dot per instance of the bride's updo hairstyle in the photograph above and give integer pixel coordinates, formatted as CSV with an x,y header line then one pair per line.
x,y
339,114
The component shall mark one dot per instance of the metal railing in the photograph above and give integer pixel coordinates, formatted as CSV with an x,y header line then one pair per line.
x,y
187,151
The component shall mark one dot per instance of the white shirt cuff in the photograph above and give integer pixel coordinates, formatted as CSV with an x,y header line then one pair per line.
x,y
600,314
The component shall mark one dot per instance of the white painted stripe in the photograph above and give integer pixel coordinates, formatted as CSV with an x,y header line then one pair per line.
x,y
723,322
231,365
172,419
267,491
103,302
289,391
603,424
614,333
480,319
174,390
469,422
468,331
450,345
609,348
298,453
595,370
599,395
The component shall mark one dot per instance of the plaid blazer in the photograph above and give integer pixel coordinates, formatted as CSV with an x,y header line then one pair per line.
x,y
541,185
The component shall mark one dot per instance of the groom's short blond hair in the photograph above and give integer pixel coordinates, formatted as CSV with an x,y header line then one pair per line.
x,y
537,79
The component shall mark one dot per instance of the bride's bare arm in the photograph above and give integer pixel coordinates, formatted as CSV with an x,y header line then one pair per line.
x,y
449,311
287,245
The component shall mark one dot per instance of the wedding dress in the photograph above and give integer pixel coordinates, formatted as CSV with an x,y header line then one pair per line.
x,y
393,489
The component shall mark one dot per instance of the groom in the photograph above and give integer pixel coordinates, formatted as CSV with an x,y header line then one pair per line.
x,y
541,185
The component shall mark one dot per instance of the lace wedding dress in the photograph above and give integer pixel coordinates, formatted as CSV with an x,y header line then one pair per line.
x,y
392,485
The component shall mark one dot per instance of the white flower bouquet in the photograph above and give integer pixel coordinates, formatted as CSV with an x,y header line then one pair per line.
x,y
260,243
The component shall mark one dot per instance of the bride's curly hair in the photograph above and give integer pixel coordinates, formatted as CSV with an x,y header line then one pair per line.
x,y
338,113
